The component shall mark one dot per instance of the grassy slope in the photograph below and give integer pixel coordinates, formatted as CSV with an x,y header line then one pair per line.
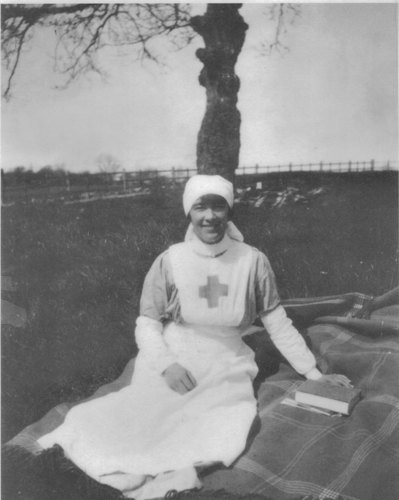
x,y
343,240
80,269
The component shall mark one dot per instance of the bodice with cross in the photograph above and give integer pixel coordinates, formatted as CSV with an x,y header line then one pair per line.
x,y
212,289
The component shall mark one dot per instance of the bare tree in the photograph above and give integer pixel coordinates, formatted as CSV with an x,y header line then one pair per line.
x,y
108,164
83,29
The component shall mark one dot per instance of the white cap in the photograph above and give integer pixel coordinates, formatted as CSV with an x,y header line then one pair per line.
x,y
201,185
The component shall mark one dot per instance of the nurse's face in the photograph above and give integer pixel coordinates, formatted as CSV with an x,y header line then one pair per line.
x,y
209,216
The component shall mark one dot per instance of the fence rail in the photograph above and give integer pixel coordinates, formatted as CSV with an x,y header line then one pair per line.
x,y
349,166
70,187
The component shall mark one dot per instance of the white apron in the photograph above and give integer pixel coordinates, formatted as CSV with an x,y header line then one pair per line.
x,y
146,438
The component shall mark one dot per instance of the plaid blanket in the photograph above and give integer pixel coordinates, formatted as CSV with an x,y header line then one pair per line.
x,y
294,453
299,453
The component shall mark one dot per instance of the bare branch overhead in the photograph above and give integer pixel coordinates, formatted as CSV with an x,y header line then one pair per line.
x,y
83,29
281,14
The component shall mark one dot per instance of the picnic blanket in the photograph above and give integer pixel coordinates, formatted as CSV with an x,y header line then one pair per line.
x,y
294,453
297,452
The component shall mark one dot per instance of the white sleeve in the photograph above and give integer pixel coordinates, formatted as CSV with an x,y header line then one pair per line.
x,y
151,344
290,343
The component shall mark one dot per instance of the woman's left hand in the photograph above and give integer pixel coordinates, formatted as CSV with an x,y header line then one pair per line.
x,y
336,379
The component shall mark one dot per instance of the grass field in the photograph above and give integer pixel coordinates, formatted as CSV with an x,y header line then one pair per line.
x,y
79,270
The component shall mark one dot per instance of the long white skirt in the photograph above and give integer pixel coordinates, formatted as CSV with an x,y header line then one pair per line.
x,y
127,438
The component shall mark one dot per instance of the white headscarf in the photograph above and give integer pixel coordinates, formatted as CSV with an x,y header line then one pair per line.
x,y
201,185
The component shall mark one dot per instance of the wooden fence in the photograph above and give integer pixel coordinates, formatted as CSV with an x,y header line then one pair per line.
x,y
349,166
70,187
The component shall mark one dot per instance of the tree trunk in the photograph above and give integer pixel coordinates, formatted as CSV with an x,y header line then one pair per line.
x,y
218,146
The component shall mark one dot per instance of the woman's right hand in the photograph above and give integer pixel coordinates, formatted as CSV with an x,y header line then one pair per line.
x,y
179,379
336,379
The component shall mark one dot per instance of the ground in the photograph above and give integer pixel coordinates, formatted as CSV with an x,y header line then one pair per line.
x,y
78,271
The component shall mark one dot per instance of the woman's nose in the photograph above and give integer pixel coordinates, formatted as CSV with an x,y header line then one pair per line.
x,y
209,214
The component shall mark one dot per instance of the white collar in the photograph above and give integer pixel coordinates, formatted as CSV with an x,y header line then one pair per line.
x,y
232,234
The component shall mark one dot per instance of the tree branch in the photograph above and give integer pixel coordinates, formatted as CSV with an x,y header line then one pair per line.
x,y
33,13
282,14
16,60
83,29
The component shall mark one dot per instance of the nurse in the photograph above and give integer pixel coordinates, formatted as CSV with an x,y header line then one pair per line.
x,y
190,402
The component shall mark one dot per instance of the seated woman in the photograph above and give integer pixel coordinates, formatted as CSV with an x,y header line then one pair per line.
x,y
190,402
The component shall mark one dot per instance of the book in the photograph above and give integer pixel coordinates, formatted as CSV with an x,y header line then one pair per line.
x,y
291,402
327,396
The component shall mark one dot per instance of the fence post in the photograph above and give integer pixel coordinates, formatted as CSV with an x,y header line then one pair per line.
x,y
2,185
173,177
290,167
67,181
350,166
321,166
372,165
47,184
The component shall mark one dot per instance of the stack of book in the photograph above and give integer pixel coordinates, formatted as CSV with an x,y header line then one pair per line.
x,y
325,398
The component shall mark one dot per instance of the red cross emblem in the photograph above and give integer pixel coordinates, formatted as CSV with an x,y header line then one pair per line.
x,y
213,290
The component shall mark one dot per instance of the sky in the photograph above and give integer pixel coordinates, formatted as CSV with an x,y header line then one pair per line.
x,y
332,96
